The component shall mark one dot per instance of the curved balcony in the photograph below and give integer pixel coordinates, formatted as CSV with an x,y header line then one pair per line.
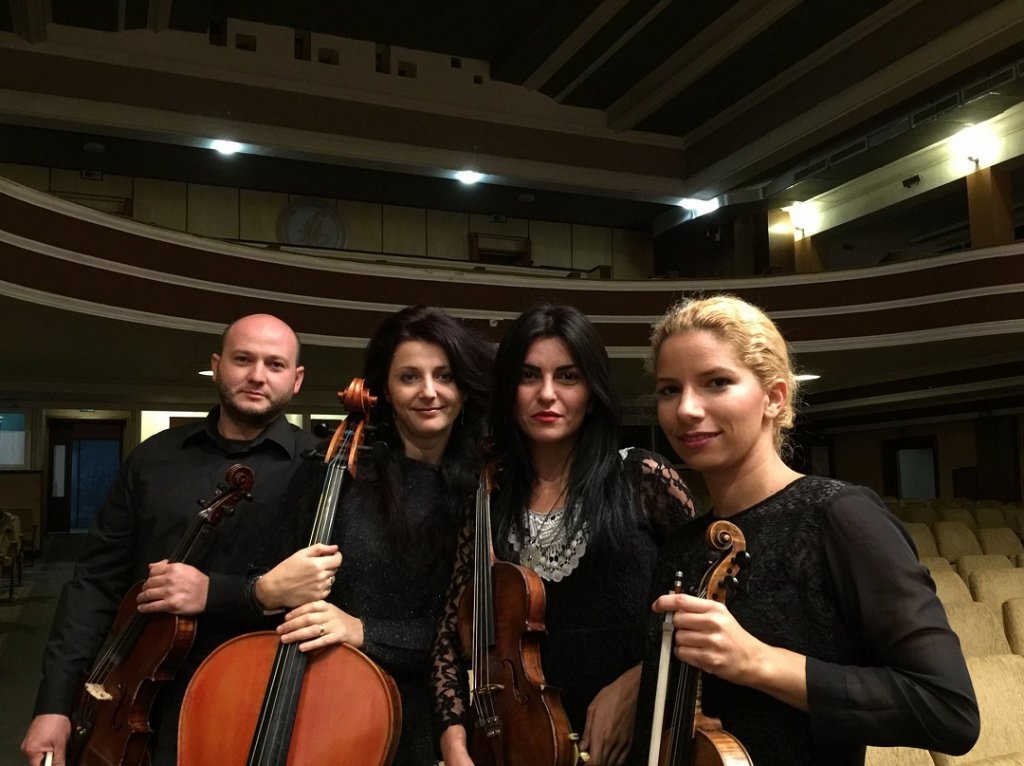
x,y
947,322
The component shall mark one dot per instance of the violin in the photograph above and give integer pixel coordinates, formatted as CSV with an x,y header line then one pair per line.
x,y
259,702
692,739
110,722
518,719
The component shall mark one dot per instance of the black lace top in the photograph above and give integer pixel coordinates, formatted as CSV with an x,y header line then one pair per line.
x,y
596,612
832,576
397,600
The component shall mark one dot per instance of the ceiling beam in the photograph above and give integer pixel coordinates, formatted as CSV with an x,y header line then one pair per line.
x,y
838,46
30,18
724,36
614,48
996,29
571,45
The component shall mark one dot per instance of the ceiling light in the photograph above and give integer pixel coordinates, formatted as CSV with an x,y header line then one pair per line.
x,y
976,146
699,206
469,176
226,147
206,373
803,378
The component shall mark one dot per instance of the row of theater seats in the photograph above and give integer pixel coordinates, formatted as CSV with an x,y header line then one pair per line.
x,y
978,569
12,555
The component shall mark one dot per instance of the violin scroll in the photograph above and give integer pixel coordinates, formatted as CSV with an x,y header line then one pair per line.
x,y
723,577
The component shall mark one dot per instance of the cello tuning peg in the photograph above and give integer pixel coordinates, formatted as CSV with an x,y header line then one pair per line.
x,y
311,454
322,430
248,496
692,590
201,503
742,558
731,584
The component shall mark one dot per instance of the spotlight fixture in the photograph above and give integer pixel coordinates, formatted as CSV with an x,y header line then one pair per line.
x,y
469,176
699,206
803,378
206,373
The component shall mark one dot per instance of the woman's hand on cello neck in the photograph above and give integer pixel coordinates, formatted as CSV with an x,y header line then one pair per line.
x,y
319,624
305,576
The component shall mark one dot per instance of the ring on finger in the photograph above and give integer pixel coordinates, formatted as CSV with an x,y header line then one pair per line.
x,y
322,629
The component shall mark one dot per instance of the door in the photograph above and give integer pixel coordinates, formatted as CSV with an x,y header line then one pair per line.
x,y
85,456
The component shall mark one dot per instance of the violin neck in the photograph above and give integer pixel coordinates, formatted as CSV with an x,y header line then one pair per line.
x,y
483,592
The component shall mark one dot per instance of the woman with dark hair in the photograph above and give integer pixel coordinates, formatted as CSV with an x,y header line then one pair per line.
x,y
398,521
585,518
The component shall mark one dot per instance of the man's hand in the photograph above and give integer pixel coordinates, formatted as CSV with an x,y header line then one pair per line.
x,y
47,734
175,588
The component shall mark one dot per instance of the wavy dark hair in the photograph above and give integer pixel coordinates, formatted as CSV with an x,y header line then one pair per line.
x,y
471,359
597,490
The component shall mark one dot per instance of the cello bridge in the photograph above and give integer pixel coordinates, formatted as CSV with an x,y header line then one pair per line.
x,y
96,691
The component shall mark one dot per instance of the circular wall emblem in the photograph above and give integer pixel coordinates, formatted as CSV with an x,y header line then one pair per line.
x,y
311,223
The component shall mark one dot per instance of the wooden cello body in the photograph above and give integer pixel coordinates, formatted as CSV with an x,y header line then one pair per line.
x,y
346,702
681,735
257,702
110,722
518,718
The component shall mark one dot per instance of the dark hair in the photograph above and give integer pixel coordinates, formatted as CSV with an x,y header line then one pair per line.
x,y
597,487
471,358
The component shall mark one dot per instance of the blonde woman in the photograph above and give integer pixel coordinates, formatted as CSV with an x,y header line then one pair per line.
x,y
835,639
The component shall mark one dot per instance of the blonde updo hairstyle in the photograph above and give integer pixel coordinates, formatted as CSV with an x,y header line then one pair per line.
x,y
753,337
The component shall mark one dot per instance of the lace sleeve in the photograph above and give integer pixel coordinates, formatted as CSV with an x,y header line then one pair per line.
x,y
451,686
665,500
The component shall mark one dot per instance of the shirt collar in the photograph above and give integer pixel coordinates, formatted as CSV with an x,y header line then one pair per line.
x,y
279,433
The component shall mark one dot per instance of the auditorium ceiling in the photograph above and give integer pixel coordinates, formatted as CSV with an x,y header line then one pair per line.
x,y
602,112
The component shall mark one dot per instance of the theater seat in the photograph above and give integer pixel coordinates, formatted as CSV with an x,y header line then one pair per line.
x,y
973,561
1013,622
954,539
979,629
923,539
996,586
897,756
950,588
999,685
1000,540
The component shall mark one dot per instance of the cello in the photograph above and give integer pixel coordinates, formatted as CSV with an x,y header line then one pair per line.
x,y
335,706
110,722
692,739
518,719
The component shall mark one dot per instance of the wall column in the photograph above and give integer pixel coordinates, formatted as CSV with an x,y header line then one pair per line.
x,y
990,206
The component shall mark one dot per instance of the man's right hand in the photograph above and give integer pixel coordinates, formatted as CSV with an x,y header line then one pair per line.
x,y
307,575
47,733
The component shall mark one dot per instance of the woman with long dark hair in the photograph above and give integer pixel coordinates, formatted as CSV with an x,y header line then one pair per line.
x,y
398,521
584,517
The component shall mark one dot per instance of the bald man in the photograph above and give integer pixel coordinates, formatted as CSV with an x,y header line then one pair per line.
x,y
256,373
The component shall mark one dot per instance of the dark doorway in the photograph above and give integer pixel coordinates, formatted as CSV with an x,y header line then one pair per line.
x,y
85,456
910,467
